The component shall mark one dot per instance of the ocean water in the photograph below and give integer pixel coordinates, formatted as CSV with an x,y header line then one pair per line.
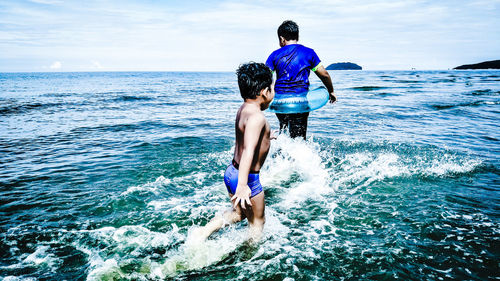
x,y
103,176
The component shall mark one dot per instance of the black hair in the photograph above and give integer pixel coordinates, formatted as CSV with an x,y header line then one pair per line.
x,y
289,30
252,78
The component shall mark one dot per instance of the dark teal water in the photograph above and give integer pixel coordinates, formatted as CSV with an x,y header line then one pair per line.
x,y
104,175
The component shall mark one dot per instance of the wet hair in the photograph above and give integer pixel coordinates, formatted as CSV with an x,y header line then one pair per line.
x,y
289,30
252,78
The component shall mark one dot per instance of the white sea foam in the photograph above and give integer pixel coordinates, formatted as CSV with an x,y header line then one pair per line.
x,y
123,243
202,202
448,164
134,237
149,187
161,182
297,169
104,269
296,158
42,257
195,254
362,169
128,242
164,204
16,278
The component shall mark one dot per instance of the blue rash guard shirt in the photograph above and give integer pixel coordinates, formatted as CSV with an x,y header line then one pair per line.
x,y
292,64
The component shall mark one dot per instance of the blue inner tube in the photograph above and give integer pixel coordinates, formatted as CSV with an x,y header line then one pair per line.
x,y
313,100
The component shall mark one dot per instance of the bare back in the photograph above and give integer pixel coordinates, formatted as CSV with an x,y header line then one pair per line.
x,y
246,113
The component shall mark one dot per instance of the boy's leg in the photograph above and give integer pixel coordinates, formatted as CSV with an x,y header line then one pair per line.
x,y
283,120
298,125
295,122
219,221
256,216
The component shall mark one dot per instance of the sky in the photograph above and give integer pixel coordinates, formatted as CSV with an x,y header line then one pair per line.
x,y
154,35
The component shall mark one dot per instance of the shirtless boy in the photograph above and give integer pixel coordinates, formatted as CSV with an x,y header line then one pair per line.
x,y
253,136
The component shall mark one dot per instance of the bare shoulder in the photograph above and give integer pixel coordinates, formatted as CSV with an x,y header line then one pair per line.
x,y
253,122
256,118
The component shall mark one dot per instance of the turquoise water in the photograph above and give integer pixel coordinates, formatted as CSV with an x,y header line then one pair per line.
x,y
104,175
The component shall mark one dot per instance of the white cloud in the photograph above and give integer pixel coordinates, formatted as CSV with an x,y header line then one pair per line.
x,y
56,65
47,2
220,35
96,64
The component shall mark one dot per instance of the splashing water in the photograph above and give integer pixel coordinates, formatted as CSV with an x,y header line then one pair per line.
x,y
399,180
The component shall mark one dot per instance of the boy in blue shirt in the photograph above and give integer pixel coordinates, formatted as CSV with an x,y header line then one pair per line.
x,y
292,64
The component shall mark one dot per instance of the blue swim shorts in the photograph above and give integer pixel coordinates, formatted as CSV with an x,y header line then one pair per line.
x,y
231,180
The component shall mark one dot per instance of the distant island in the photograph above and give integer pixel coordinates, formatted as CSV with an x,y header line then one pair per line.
x,y
492,64
343,66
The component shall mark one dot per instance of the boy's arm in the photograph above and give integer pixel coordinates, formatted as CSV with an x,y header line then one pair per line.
x,y
251,137
327,81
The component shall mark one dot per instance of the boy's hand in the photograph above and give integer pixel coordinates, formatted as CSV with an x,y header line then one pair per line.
x,y
242,195
333,98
